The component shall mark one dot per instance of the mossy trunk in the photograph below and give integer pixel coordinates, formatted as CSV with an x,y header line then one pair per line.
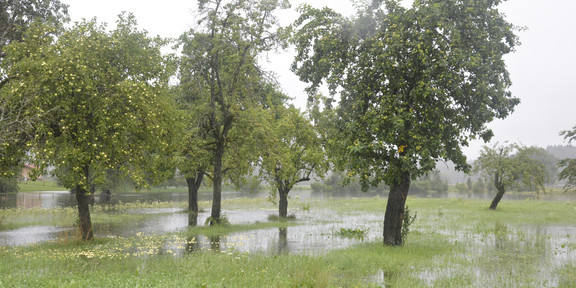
x,y
84,220
395,211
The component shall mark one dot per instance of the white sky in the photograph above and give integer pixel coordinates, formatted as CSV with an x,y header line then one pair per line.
x,y
542,69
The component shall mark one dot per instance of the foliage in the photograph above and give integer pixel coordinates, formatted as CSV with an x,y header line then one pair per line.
x,y
107,97
224,87
403,75
430,183
415,85
338,185
16,123
352,233
407,222
510,166
220,221
9,184
109,89
293,151
568,166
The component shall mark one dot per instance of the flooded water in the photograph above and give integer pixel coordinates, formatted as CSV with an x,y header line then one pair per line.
x,y
490,254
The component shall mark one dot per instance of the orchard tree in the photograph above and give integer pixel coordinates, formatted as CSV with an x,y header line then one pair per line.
x,y
415,85
510,166
220,74
294,152
16,123
108,99
568,166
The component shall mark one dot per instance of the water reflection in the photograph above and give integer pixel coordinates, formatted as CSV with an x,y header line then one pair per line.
x,y
34,234
193,219
283,240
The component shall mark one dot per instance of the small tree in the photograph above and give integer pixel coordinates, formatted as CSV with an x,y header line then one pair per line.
x,y
220,73
507,166
111,107
294,153
568,166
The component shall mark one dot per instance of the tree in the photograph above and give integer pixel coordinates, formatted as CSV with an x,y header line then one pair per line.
x,y
16,125
109,102
568,165
295,152
415,85
220,71
503,168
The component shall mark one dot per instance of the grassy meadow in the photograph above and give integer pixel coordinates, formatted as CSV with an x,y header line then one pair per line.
x,y
453,243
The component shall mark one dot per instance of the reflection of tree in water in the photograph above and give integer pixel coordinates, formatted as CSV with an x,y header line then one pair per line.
x,y
193,245
214,242
283,241
193,219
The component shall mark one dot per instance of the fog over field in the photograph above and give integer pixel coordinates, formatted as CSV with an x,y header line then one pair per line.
x,y
541,69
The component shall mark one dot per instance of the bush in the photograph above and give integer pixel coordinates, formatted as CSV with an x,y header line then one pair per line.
x,y
8,185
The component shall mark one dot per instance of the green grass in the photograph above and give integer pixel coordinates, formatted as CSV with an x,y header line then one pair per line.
x,y
454,243
40,185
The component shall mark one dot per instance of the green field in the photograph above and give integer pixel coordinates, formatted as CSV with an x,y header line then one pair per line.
x,y
454,243
40,185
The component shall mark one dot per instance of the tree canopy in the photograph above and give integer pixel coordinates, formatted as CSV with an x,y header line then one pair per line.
x,y
415,85
294,151
16,124
510,166
221,75
106,93
568,166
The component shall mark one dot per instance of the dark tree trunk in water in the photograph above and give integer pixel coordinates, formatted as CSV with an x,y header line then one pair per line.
x,y
283,203
84,220
498,197
217,179
193,187
395,211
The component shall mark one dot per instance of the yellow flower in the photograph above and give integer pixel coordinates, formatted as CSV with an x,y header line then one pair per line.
x,y
401,148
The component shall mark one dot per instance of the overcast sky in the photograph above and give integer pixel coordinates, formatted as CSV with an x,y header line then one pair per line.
x,y
542,68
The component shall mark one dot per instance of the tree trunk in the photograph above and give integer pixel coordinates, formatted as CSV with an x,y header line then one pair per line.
x,y
84,221
283,203
498,197
217,185
193,187
395,211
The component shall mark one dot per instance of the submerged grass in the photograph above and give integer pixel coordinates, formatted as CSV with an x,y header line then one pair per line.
x,y
454,243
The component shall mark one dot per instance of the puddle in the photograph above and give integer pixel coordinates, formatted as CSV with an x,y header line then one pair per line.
x,y
535,251
33,234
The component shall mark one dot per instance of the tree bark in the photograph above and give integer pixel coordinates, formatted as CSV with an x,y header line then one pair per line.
x,y
498,197
84,220
283,203
193,187
217,185
395,211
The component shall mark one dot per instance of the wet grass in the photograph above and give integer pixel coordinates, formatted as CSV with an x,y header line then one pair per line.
x,y
454,243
